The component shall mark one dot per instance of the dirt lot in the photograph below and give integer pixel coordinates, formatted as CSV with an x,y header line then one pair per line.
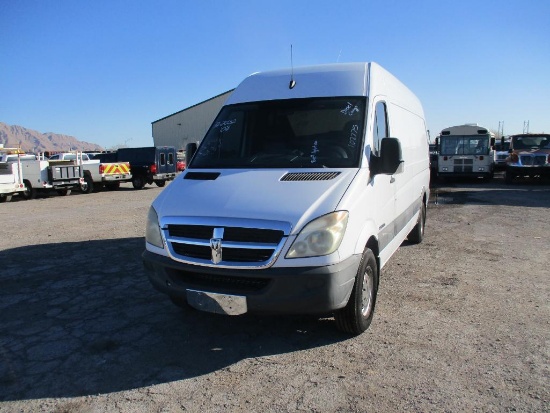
x,y
462,320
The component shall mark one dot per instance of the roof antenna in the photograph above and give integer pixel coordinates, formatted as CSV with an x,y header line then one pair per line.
x,y
292,81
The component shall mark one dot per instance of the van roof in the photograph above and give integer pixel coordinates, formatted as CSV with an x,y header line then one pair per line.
x,y
330,80
343,79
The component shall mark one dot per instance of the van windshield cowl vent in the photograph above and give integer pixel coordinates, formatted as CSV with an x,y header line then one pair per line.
x,y
310,176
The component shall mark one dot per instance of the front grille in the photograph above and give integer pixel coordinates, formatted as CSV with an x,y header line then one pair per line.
x,y
533,160
250,255
235,234
463,165
241,246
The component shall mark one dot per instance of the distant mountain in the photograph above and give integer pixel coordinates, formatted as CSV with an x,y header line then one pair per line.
x,y
13,136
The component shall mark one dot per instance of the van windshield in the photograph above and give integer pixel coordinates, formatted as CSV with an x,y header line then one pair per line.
x,y
294,133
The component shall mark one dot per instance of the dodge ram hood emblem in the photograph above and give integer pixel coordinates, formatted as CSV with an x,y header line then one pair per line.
x,y
216,245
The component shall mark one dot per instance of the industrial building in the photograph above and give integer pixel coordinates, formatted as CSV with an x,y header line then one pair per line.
x,y
188,125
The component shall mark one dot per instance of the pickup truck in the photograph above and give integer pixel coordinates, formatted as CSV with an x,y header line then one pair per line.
x,y
150,164
103,170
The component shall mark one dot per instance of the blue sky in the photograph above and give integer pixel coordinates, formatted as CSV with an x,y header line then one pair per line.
x,y
102,71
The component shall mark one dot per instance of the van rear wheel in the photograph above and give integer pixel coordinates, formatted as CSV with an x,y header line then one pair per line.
x,y
417,234
357,315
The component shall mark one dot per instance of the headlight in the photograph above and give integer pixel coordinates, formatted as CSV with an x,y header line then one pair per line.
x,y
152,230
321,236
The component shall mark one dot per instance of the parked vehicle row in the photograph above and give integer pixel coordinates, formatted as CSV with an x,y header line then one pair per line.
x,y
471,151
29,174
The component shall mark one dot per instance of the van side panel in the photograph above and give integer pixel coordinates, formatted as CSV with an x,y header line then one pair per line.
x,y
405,122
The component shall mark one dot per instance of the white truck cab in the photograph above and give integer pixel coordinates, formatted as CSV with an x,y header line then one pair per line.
x,y
79,157
304,186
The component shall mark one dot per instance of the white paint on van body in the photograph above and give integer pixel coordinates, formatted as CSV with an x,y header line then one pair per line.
x,y
381,207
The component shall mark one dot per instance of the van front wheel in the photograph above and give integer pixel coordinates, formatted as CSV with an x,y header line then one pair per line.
x,y
357,315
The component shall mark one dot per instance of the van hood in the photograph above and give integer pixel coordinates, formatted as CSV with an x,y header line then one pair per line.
x,y
293,196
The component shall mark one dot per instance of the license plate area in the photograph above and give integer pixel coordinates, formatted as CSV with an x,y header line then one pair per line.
x,y
217,303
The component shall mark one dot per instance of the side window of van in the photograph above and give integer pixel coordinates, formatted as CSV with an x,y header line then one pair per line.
x,y
380,125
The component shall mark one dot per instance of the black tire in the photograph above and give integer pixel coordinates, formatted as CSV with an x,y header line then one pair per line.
x,y
5,198
160,183
417,234
138,182
88,185
63,192
357,315
29,192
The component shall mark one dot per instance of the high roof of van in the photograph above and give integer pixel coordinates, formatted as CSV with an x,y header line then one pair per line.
x,y
338,79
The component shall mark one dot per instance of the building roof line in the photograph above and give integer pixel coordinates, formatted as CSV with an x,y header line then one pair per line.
x,y
191,107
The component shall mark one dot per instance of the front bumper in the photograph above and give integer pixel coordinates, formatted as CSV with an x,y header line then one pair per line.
x,y
486,174
516,170
290,290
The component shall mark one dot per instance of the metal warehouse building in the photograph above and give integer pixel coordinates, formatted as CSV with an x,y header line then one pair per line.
x,y
188,125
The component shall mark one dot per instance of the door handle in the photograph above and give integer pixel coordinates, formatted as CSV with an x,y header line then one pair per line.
x,y
392,180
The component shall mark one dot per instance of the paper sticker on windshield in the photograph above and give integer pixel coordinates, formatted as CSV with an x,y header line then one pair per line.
x,y
350,109
225,125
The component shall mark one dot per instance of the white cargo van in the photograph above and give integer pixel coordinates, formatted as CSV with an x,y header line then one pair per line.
x,y
302,189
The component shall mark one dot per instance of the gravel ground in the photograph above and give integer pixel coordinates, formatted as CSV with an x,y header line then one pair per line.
x,y
462,320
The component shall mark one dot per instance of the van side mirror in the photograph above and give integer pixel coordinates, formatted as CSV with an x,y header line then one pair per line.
x,y
190,150
390,157
492,142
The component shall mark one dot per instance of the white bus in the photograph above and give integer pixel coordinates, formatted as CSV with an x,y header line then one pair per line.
x,y
465,151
